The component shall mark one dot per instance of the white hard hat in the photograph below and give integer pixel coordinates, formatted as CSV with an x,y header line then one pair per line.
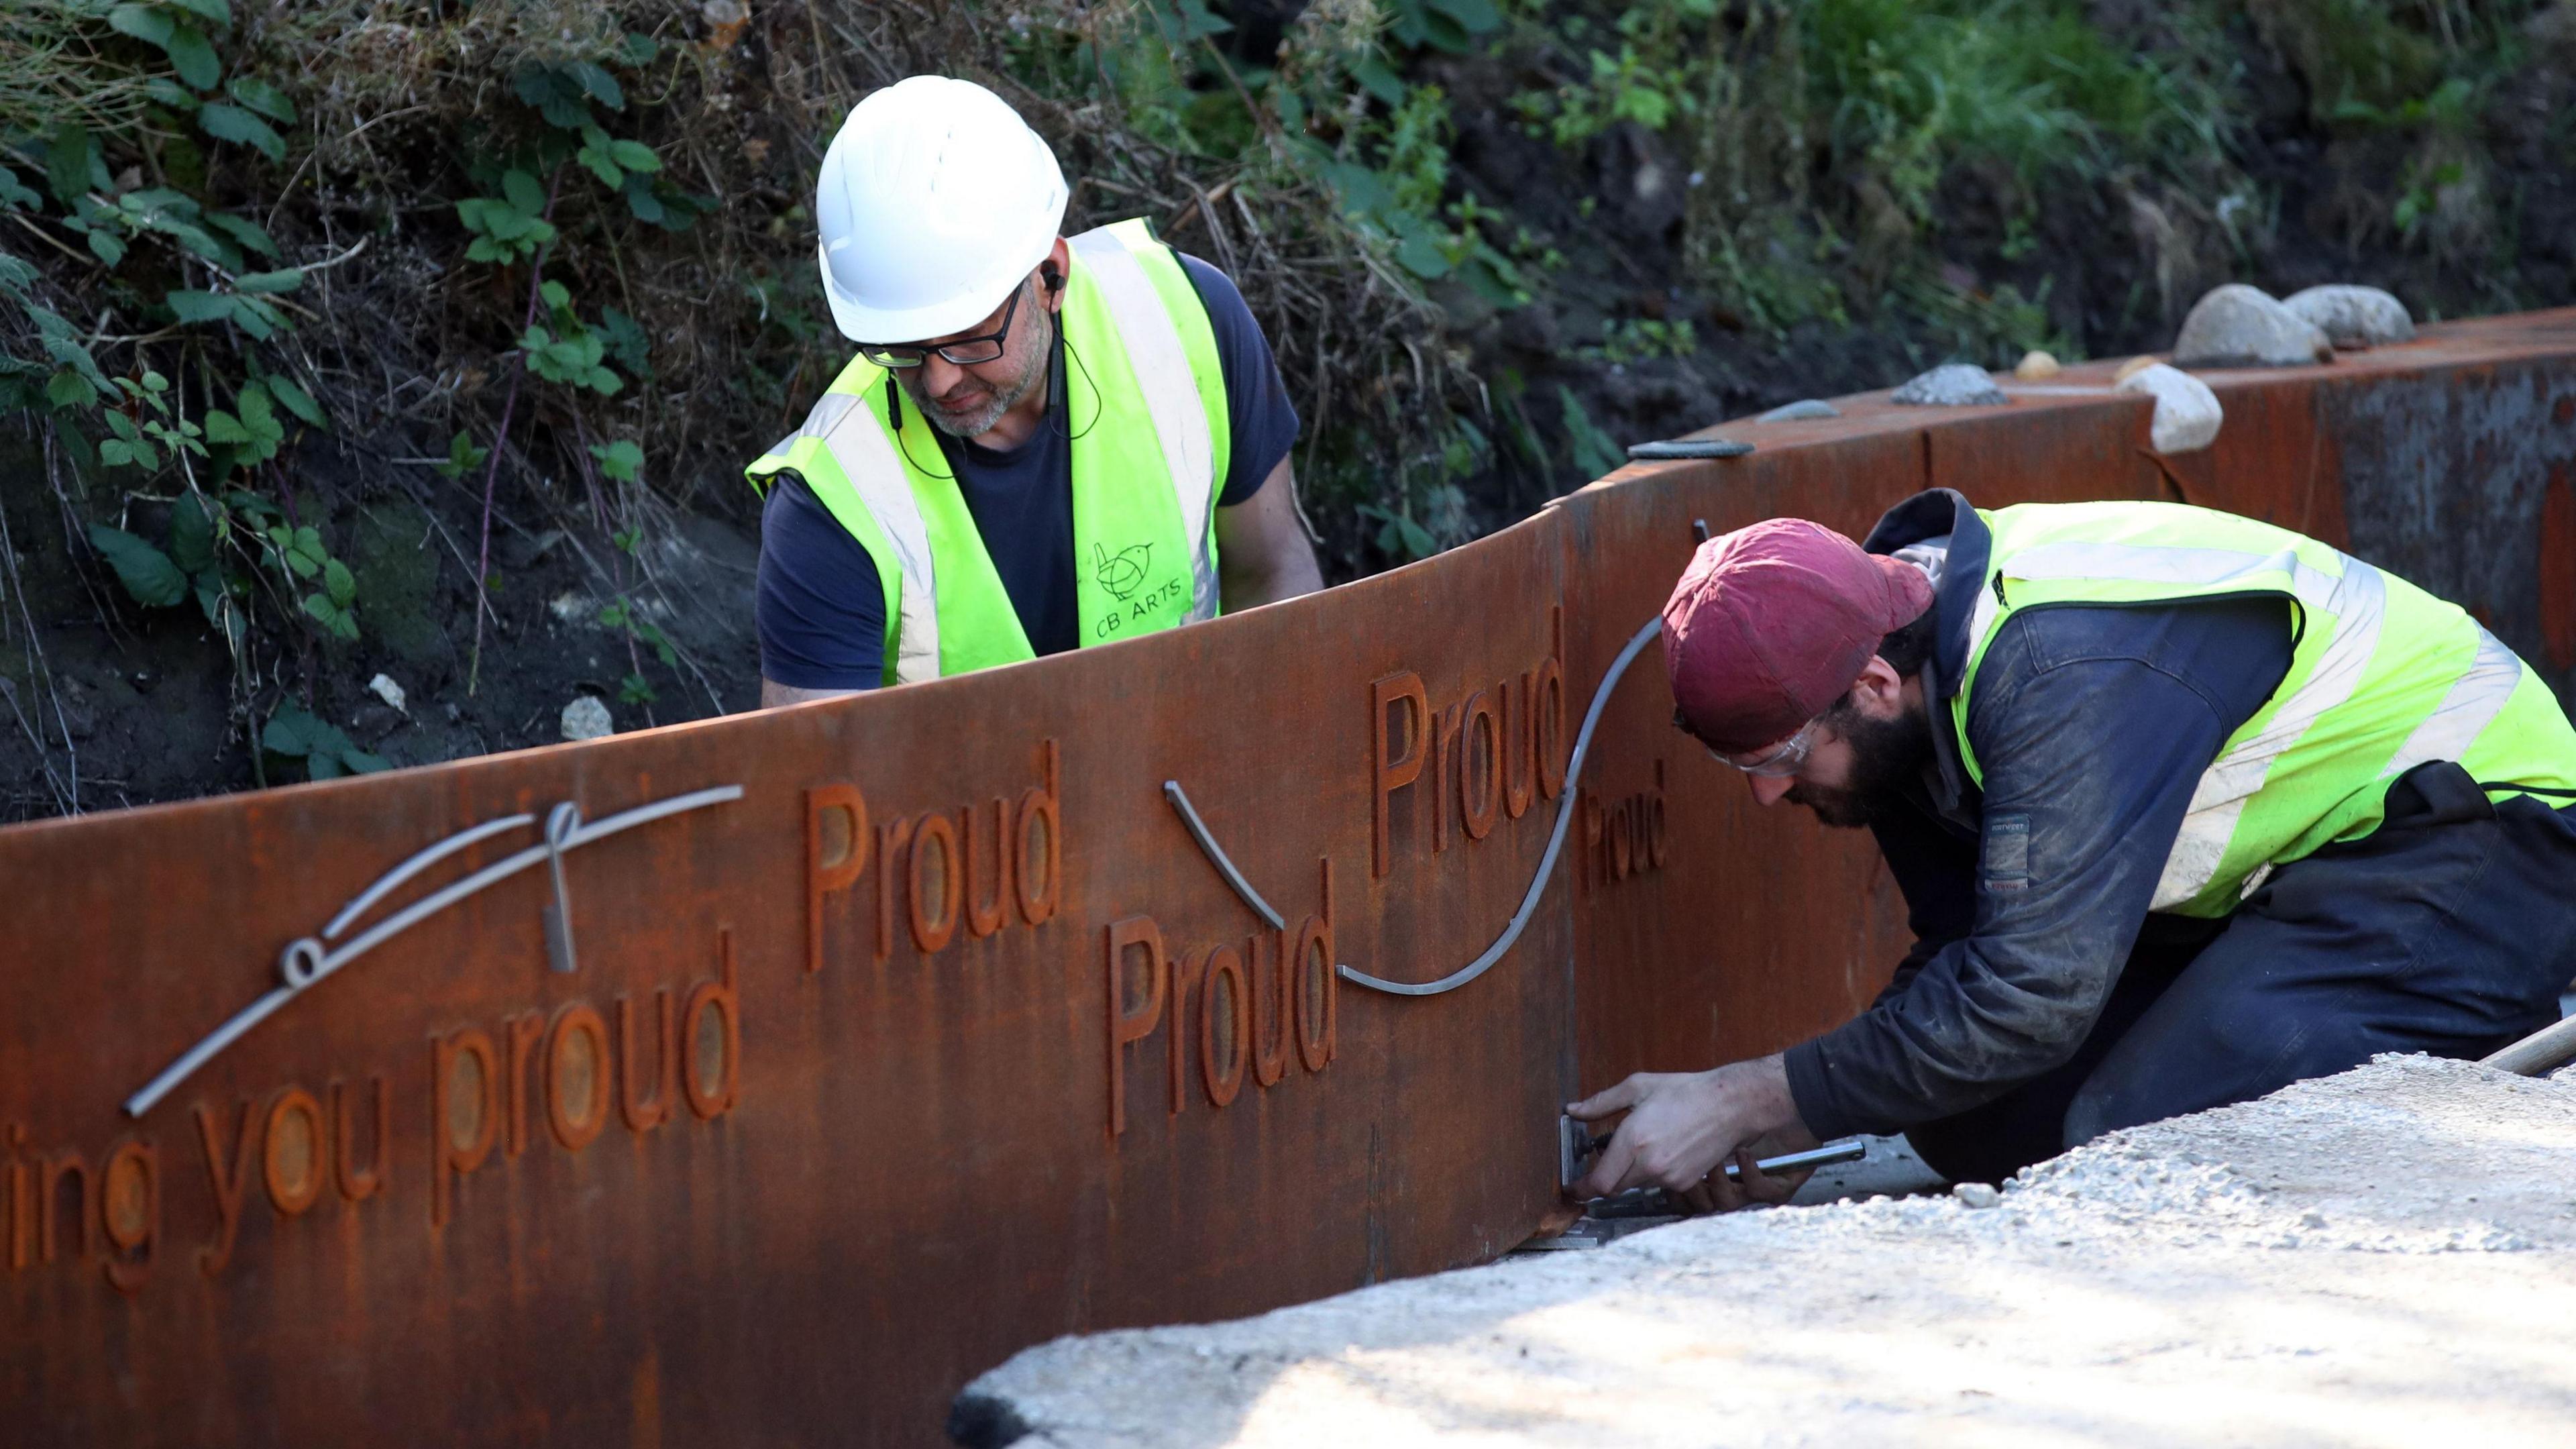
x,y
935,200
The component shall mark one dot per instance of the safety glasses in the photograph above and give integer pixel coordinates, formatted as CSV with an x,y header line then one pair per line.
x,y
964,351
1784,759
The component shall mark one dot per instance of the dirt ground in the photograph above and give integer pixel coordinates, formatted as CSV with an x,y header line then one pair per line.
x,y
2383,1257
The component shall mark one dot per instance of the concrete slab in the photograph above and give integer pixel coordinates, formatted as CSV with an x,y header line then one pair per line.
x,y
2350,1261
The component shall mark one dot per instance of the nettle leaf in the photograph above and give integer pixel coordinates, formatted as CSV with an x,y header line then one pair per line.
x,y
146,572
339,583
193,57
107,248
284,280
523,191
170,93
144,23
298,402
232,123
634,156
262,97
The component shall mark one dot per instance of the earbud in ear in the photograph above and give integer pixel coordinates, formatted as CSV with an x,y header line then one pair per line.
x,y
1054,279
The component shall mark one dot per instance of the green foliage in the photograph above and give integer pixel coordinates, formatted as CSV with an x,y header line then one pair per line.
x,y
510,227
190,563
326,751
463,457
1595,453
1642,339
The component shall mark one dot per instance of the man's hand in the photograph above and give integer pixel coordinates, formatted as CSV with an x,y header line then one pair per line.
x,y
1682,1126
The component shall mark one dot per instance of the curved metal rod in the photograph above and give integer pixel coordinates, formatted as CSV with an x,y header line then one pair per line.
x,y
1180,799
418,863
303,965
1547,862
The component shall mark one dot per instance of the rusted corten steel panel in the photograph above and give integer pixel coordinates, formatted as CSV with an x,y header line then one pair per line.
x,y
866,1076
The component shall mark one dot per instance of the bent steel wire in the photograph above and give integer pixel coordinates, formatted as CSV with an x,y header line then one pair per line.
x,y
1217,857
305,963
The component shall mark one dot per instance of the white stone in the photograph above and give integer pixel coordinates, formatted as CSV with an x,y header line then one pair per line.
x,y
1951,385
384,688
2036,365
2187,412
1977,1194
1802,409
2352,317
2241,326
586,718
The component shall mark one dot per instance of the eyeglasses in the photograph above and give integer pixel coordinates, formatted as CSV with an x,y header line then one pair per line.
x,y
964,351
1787,759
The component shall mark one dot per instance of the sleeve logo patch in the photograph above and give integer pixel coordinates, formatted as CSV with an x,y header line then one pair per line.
x,y
2007,852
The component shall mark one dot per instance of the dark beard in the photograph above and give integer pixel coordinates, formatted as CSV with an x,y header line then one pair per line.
x,y
1888,756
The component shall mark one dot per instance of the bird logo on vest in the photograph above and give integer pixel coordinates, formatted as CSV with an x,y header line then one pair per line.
x,y
1123,574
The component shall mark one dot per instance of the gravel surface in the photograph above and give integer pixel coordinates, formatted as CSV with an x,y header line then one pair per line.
x,y
2383,1257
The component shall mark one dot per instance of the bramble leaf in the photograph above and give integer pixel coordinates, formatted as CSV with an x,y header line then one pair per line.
x,y
144,23
232,123
146,572
193,57
246,233
262,97
192,534
191,305
298,401
619,460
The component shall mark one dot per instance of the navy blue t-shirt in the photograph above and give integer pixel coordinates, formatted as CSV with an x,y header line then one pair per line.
x,y
821,607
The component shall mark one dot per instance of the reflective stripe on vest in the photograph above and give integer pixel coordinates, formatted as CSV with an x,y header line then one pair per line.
x,y
2384,677
1147,456
865,455
1171,397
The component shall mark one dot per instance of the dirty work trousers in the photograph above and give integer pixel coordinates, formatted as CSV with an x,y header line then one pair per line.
x,y
2450,930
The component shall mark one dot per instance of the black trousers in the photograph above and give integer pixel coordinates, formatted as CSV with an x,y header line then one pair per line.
x,y
2449,930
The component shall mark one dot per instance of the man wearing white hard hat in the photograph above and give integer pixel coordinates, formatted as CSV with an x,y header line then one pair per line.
x,y
1043,443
